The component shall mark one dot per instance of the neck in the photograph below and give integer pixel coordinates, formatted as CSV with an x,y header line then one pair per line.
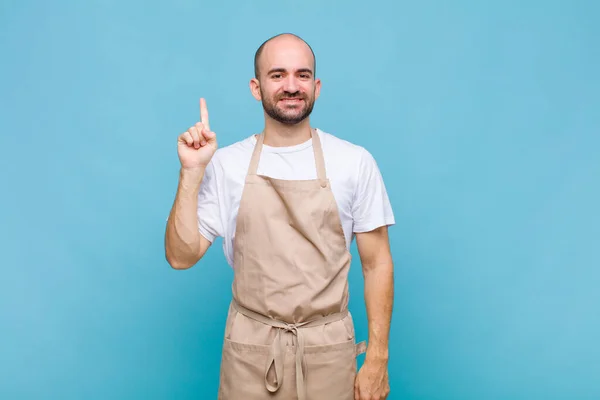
x,y
281,135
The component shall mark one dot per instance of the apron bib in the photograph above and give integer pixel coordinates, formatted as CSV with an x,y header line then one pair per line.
x,y
289,334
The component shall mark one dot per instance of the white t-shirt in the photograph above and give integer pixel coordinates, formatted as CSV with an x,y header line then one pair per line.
x,y
356,182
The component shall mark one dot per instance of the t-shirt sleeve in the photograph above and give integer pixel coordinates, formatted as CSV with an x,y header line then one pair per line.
x,y
209,210
371,208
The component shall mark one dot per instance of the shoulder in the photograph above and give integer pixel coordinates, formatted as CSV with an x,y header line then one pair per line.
x,y
343,151
235,149
352,164
227,157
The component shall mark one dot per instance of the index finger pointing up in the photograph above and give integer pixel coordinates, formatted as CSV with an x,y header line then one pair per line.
x,y
204,114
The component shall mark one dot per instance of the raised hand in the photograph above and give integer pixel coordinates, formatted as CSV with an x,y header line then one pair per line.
x,y
197,145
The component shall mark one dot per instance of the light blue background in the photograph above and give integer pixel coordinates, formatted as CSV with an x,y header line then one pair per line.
x,y
483,117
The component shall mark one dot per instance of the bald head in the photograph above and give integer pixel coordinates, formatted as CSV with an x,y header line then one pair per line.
x,y
284,42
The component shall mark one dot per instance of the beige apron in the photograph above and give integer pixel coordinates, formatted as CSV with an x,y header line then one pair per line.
x,y
289,334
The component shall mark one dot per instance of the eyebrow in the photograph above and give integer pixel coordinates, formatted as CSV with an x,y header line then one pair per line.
x,y
284,70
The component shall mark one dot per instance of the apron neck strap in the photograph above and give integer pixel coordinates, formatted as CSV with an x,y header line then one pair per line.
x,y
317,150
256,154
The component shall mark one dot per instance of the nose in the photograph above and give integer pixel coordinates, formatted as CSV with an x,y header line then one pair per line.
x,y
291,84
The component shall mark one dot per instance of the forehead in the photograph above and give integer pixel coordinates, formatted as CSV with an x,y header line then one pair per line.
x,y
288,53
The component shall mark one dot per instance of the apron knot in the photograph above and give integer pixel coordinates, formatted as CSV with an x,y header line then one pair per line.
x,y
274,367
293,328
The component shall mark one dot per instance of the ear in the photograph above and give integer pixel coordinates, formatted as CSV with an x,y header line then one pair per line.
x,y
317,88
255,88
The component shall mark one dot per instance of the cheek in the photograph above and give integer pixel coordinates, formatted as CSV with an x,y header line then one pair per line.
x,y
308,89
271,92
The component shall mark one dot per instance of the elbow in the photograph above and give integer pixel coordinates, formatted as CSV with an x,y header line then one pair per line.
x,y
179,263
183,255
378,265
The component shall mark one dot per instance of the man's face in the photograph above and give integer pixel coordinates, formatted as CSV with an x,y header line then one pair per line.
x,y
287,86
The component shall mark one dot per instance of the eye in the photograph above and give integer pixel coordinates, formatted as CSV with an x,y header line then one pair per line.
x,y
276,76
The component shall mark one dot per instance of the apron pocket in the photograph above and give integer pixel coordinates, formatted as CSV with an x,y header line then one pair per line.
x,y
331,370
243,371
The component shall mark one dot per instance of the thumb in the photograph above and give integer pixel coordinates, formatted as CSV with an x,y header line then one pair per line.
x,y
210,136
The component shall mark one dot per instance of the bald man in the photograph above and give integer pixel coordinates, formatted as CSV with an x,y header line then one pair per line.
x,y
288,202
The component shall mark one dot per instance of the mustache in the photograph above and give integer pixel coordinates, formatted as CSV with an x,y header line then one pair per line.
x,y
288,95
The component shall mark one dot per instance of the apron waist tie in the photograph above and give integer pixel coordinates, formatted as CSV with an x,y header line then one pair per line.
x,y
277,350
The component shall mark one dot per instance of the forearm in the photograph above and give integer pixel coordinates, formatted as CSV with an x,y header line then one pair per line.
x,y
379,296
182,239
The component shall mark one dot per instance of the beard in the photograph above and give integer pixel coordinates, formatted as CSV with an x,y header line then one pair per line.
x,y
288,114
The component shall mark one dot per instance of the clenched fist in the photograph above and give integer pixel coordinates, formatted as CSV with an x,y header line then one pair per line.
x,y
197,145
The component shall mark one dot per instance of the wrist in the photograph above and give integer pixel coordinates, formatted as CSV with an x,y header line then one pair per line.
x,y
192,170
377,354
190,178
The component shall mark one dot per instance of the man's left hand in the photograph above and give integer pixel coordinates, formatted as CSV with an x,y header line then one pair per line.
x,y
371,382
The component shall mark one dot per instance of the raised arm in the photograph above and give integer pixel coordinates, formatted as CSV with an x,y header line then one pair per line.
x,y
184,245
